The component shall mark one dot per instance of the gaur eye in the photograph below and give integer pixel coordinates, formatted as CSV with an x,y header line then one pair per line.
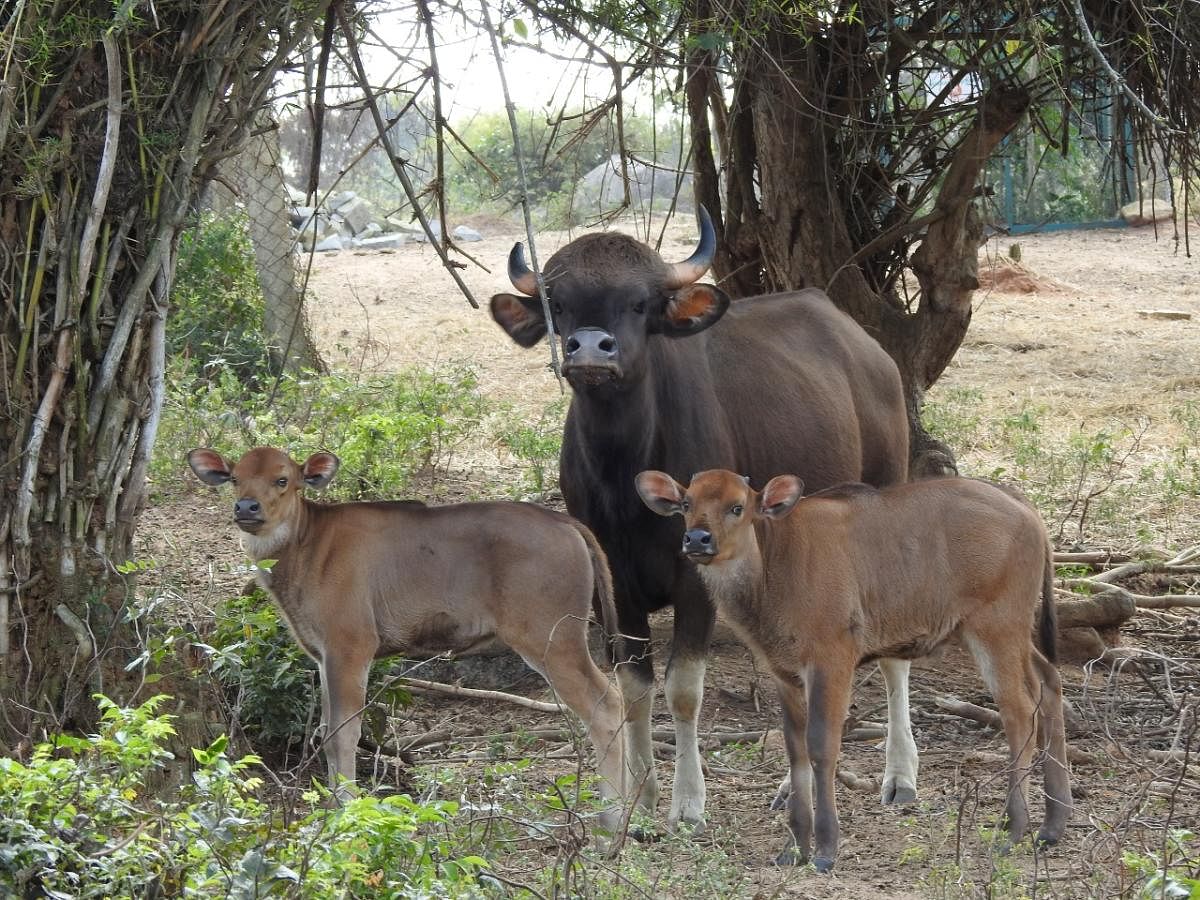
x,y
281,482
736,510
639,307
556,308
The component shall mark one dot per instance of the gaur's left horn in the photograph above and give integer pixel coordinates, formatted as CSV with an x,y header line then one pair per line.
x,y
697,264
519,272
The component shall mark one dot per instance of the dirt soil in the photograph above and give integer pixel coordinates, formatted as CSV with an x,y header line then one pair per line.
x,y
1087,343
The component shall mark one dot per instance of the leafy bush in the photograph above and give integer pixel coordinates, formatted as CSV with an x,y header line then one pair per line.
x,y
271,684
385,429
216,318
76,822
537,445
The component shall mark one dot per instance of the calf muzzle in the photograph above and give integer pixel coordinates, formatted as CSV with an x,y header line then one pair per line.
x,y
247,514
699,545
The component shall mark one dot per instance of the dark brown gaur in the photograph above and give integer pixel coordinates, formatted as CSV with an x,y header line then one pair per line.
x,y
359,581
668,373
820,585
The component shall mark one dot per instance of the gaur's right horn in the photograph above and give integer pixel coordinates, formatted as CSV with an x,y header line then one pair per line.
x,y
519,272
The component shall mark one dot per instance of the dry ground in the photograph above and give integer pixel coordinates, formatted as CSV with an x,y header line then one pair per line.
x,y
1079,348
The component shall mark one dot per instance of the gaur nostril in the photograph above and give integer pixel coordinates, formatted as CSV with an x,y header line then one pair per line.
x,y
572,344
608,345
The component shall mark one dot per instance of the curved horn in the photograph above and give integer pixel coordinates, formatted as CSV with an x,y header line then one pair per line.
x,y
697,264
519,272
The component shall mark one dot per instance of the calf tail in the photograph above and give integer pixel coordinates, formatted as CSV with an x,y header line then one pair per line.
x,y
602,589
1048,626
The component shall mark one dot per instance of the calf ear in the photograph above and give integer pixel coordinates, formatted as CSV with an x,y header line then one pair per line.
x,y
780,496
693,308
520,317
660,492
209,466
320,468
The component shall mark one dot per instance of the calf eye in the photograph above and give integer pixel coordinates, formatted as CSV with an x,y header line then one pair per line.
x,y
737,510
685,506
281,482
232,480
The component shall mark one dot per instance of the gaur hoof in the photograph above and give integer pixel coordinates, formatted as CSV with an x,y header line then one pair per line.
x,y
823,864
792,856
693,828
643,835
1047,838
895,794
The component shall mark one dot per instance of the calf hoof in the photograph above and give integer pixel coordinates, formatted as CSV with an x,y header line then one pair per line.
x,y
780,800
896,793
792,855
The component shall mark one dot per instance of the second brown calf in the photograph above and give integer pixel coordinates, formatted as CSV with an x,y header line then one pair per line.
x,y
359,581
817,586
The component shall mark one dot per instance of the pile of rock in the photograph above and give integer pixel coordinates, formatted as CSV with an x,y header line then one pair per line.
x,y
346,220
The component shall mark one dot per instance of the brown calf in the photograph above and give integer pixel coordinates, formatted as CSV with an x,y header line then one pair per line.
x,y
854,574
359,581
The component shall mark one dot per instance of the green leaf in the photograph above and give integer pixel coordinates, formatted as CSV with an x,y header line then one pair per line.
x,y
520,28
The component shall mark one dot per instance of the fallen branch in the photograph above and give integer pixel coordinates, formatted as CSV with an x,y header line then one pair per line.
x,y
966,710
421,686
1090,558
1166,601
1107,608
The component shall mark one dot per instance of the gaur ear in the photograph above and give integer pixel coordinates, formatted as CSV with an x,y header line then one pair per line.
x,y
319,469
780,496
691,309
659,491
521,317
209,466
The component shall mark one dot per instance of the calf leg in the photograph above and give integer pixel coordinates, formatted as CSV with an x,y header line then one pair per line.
x,y
797,788
1054,747
1004,664
900,754
343,696
586,692
828,692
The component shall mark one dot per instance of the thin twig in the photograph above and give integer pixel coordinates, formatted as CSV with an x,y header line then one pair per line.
x,y
510,108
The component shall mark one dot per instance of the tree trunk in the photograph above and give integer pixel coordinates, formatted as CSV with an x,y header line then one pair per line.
x,y
108,128
823,207
285,324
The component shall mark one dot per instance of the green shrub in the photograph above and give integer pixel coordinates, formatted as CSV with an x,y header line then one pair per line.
x,y
76,822
386,429
216,316
269,682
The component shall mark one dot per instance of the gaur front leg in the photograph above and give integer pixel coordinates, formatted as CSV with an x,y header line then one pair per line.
x,y
900,751
635,675
694,620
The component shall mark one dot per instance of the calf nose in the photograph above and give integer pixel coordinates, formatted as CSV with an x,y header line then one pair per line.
x,y
246,508
591,347
699,541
